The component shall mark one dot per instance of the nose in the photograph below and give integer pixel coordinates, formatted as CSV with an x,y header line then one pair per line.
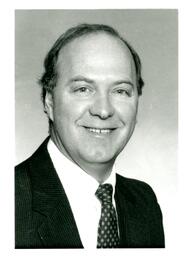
x,y
102,107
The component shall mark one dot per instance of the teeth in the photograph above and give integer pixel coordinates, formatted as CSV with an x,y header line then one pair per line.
x,y
103,131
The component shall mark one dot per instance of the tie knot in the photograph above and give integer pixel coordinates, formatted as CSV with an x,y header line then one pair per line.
x,y
104,193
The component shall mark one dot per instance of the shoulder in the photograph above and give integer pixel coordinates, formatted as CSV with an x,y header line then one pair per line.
x,y
40,153
135,189
21,172
24,169
23,182
133,184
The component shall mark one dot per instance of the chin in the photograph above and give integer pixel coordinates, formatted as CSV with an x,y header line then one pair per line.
x,y
99,158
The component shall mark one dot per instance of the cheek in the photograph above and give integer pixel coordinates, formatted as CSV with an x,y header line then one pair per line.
x,y
68,111
127,112
60,110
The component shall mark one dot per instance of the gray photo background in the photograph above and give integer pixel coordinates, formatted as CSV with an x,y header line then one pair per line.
x,y
151,154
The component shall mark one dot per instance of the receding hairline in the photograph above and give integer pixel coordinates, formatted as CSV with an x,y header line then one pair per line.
x,y
97,33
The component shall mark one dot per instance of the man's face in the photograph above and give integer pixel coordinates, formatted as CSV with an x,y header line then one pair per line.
x,y
94,104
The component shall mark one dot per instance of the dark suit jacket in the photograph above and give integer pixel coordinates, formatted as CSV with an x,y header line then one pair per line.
x,y
44,218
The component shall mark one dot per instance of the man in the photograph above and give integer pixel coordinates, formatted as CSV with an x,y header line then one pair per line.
x,y
67,193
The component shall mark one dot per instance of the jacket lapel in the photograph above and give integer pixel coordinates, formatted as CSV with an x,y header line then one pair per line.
x,y
132,217
58,227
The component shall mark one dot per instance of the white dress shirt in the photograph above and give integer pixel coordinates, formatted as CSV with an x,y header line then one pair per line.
x,y
80,189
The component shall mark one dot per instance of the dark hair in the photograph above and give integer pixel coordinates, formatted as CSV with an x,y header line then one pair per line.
x,y
49,77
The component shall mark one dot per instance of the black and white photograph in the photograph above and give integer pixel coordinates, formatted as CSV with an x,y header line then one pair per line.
x,y
95,127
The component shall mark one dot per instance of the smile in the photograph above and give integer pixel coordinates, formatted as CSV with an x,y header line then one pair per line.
x,y
99,131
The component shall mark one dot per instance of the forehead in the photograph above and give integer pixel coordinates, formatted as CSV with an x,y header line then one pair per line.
x,y
97,49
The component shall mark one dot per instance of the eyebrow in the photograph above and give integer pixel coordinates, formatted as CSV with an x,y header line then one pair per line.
x,y
125,81
81,79
88,80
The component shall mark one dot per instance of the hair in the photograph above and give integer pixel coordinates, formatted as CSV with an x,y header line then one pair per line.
x,y
49,78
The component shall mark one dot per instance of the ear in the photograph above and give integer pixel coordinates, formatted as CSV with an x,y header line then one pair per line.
x,y
49,105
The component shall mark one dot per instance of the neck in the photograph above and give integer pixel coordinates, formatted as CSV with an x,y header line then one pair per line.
x,y
99,172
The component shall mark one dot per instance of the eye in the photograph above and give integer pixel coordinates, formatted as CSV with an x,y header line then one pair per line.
x,y
123,92
82,89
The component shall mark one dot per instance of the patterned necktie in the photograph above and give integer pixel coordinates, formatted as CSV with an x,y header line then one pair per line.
x,y
107,230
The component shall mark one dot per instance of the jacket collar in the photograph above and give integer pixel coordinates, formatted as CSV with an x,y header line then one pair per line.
x,y
132,213
58,228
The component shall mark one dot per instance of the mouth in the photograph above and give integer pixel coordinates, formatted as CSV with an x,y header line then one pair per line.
x,y
102,131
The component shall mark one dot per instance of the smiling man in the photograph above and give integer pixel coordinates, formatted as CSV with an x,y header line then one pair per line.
x,y
68,194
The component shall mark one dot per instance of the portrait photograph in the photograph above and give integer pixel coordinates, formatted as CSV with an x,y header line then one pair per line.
x,y
96,130
110,75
